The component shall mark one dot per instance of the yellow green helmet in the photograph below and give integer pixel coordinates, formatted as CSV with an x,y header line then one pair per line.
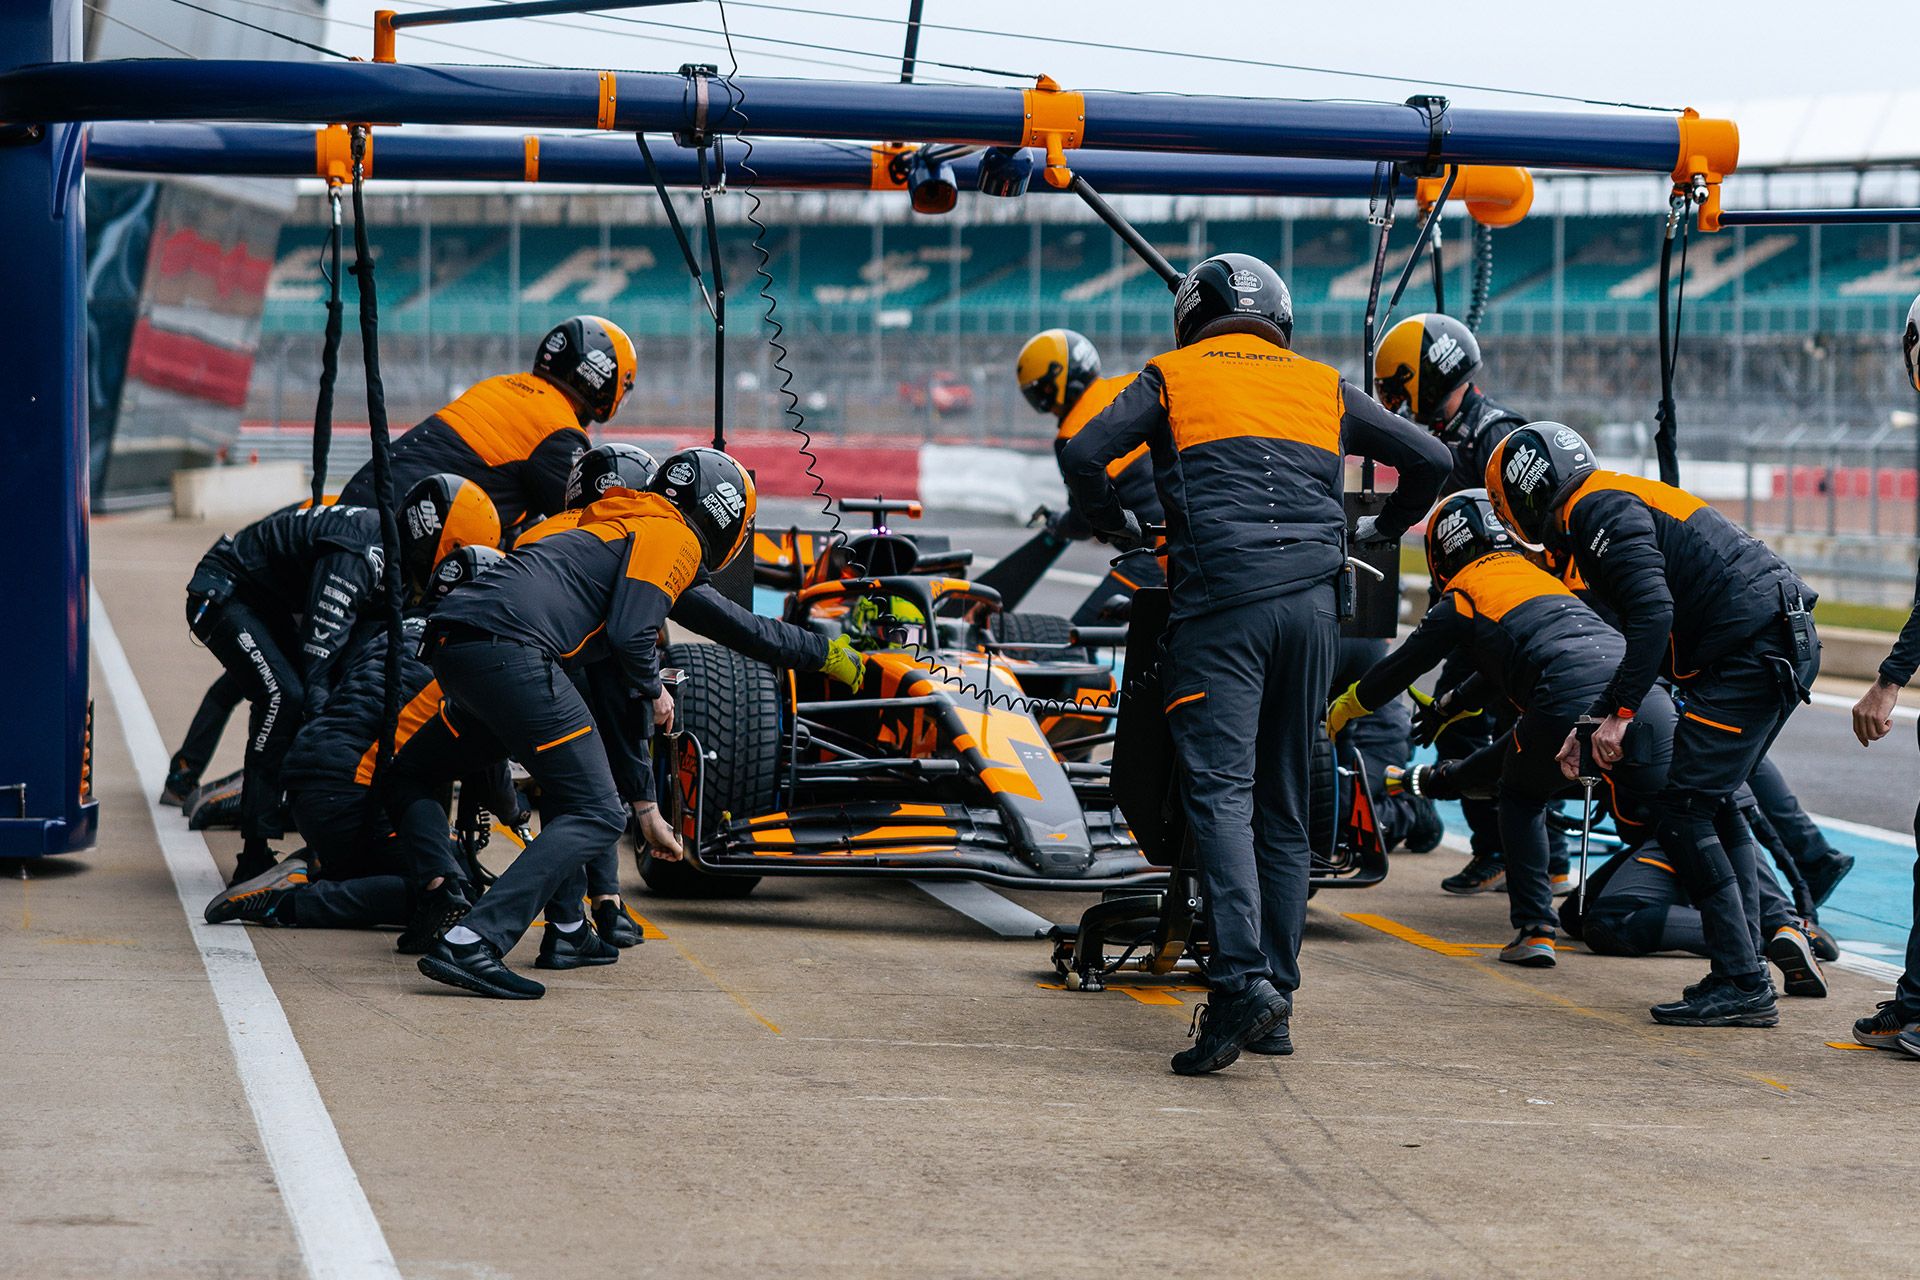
x,y
891,622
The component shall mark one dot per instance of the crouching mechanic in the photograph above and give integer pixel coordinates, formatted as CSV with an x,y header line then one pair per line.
x,y
1059,373
1247,441
278,604
350,874
1743,652
502,649
1536,645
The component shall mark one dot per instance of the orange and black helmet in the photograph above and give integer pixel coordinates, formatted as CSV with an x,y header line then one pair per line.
x,y
1055,369
1531,472
1423,360
714,494
441,514
1910,344
1463,528
592,358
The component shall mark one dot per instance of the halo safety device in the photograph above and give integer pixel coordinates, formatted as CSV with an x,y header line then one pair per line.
x,y
1532,471
714,494
593,358
1232,293
1055,368
614,465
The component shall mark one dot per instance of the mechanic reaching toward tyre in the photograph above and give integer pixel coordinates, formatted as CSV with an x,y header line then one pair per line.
x,y
1539,649
1059,373
1742,653
1247,441
502,649
279,602
1896,1024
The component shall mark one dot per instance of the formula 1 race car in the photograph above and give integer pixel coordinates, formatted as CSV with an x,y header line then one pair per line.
x,y
979,747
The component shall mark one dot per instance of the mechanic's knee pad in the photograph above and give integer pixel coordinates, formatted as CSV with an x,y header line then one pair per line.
x,y
1625,933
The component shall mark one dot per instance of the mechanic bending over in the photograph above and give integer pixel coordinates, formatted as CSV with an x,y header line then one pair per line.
x,y
350,875
1424,368
515,435
1383,741
1059,373
1539,649
1248,443
278,604
1743,654
702,609
1896,1024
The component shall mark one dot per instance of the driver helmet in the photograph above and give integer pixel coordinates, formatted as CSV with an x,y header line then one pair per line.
x,y
890,622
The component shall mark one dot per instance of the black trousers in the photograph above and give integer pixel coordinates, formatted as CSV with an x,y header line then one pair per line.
x,y
1781,809
1462,739
354,876
1906,992
1730,713
510,700
254,646
203,732
1247,687
1642,909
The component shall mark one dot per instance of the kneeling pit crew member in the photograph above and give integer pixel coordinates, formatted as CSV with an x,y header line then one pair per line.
x,y
1742,653
1537,646
278,605
1247,440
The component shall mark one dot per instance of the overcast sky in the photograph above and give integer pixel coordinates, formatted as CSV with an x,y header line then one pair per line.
x,y
1623,49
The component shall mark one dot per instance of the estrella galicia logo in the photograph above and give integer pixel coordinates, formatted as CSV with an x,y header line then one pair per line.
x,y
1567,438
681,472
1244,281
556,342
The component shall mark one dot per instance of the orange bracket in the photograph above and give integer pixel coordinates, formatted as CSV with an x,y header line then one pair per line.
x,y
1709,151
1494,195
1056,121
530,147
383,35
333,154
885,176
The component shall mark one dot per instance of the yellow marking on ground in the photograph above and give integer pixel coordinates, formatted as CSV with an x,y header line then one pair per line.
x,y
1151,995
1848,1045
1775,1083
714,978
1394,929
648,929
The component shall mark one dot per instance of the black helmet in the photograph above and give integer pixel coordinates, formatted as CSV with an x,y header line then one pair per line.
x,y
462,566
1461,529
608,466
1910,344
441,514
1532,471
715,495
1055,369
1232,293
1423,360
592,358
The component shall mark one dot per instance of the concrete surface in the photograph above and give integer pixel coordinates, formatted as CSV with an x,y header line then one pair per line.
x,y
855,1080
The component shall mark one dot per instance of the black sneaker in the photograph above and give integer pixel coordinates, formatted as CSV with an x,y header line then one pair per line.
x,y
1825,875
476,967
1428,829
1908,1041
260,899
178,786
1481,875
1721,1004
1824,947
434,912
251,866
1530,949
613,924
1799,971
1884,1029
1277,1043
1224,1024
575,950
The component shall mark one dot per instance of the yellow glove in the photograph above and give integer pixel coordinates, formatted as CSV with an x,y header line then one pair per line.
x,y
844,664
1434,716
1345,708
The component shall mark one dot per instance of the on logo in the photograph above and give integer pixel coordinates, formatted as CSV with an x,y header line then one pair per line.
x,y
1522,459
1445,354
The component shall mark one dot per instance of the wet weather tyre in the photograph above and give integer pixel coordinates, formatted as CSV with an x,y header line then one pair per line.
x,y
1035,628
732,705
1323,798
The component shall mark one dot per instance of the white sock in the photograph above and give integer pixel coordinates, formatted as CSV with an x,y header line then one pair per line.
x,y
461,936
566,926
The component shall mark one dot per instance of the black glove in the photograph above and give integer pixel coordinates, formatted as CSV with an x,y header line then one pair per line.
x,y
1126,538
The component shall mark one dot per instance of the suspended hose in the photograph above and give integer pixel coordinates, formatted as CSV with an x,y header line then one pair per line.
x,y
1482,275
1439,273
382,445
1664,438
329,356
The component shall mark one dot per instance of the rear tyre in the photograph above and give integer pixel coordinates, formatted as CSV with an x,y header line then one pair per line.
x,y
732,705
1036,628
1323,799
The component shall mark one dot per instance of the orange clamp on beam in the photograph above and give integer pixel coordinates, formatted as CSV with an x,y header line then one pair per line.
x,y
1710,150
530,147
884,176
1056,121
1495,195
383,35
609,96
333,154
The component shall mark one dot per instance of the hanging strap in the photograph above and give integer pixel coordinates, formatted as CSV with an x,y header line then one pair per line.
x,y
329,355
708,174
673,219
1380,214
1665,438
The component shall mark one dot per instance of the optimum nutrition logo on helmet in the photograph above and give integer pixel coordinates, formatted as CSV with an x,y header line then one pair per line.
x,y
1526,468
1454,532
596,368
724,504
422,519
1186,300
1446,354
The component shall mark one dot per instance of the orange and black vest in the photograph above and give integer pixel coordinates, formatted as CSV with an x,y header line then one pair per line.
x,y
1530,636
515,435
1132,472
335,750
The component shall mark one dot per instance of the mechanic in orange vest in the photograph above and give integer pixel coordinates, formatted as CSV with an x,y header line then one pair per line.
x,y
1059,373
1248,441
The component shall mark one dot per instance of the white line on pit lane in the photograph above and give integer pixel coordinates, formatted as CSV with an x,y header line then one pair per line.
x,y
982,905
1841,703
332,1221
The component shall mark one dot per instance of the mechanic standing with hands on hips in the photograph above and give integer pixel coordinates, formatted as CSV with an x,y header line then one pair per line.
x,y
1248,441
1697,596
1896,1024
